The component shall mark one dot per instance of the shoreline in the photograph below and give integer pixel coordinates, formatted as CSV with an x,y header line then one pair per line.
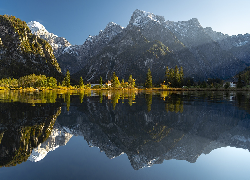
x,y
124,89
202,89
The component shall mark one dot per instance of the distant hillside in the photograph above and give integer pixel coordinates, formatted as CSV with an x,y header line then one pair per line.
x,y
22,53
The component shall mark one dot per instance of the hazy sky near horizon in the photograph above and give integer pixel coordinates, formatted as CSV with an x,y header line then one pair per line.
x,y
77,19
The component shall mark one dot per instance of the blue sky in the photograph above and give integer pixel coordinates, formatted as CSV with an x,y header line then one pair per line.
x,y
77,19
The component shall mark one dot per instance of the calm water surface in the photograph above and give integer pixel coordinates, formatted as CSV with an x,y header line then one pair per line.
x,y
124,135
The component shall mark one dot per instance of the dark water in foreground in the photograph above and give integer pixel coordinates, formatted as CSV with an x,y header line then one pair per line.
x,y
124,135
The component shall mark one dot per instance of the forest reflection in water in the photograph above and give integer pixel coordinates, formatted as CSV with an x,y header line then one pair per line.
x,y
149,126
52,96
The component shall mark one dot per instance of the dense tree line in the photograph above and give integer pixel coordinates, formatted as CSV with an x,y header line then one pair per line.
x,y
115,82
244,76
34,81
174,77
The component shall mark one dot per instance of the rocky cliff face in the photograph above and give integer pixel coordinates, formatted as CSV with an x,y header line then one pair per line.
x,y
149,41
77,57
22,53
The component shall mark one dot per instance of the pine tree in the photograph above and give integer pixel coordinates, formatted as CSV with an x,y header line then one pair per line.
x,y
67,79
227,85
176,76
63,82
189,83
239,83
113,79
115,83
167,75
181,76
148,83
131,82
123,83
81,82
100,81
171,77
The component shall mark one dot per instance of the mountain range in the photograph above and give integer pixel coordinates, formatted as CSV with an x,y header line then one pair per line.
x,y
150,41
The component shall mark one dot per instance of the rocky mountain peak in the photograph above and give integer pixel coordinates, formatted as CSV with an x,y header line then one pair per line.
x,y
139,18
194,21
78,55
112,24
192,24
58,43
112,29
190,32
216,36
37,28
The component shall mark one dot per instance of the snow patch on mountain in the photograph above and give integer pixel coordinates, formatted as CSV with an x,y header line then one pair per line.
x,y
140,18
37,28
58,43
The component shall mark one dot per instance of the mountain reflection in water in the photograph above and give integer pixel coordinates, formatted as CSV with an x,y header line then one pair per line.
x,y
149,127
22,128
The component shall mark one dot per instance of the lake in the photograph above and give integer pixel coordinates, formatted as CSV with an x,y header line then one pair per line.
x,y
124,135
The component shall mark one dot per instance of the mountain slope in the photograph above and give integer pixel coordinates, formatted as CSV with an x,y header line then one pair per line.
x,y
58,43
22,53
239,45
75,57
130,53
